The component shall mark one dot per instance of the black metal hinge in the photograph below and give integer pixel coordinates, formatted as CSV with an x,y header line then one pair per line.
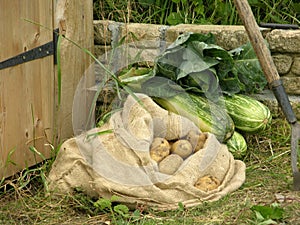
x,y
32,54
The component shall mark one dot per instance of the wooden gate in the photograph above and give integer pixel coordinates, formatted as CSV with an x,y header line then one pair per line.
x,y
29,118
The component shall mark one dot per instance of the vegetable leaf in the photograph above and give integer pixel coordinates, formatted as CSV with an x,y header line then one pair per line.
x,y
161,87
194,62
248,70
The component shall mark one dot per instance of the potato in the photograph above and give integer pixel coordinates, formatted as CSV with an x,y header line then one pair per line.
x,y
207,183
182,148
197,140
201,141
170,164
159,149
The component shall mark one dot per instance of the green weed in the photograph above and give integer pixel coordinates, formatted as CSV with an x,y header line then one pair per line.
x,y
265,215
174,12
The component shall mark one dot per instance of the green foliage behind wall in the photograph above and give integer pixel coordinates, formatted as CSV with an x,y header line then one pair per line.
x,y
217,12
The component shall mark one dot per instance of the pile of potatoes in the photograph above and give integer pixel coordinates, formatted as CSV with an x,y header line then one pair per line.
x,y
170,155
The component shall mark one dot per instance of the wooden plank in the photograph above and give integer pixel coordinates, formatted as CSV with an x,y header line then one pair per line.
x,y
26,90
75,21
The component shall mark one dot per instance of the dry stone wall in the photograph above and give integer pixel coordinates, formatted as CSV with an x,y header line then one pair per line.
x,y
284,46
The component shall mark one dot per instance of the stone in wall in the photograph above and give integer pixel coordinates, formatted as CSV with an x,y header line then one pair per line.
x,y
228,37
143,35
296,66
102,34
283,63
101,50
287,41
119,58
291,84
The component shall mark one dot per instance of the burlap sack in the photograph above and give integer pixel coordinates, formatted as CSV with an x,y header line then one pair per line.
x,y
115,160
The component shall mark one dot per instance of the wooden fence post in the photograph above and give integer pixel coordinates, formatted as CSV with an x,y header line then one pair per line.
x,y
75,21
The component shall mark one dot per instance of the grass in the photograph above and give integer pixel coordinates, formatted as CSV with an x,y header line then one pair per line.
x,y
173,12
268,181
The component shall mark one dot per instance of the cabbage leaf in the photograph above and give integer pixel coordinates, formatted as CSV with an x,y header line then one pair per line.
x,y
196,63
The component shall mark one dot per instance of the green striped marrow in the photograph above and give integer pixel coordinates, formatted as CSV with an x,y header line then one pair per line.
x,y
248,114
237,145
207,116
